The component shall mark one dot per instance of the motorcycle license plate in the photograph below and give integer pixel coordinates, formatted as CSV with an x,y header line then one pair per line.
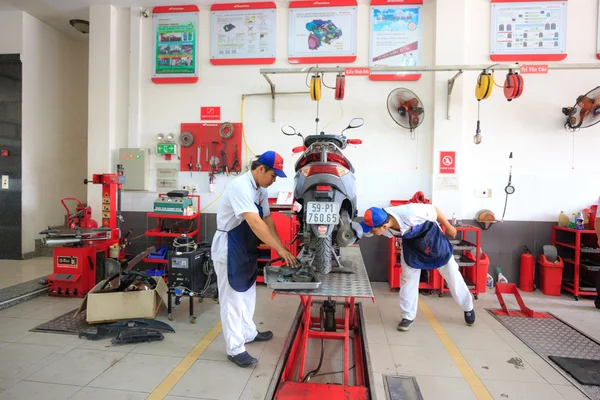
x,y
322,213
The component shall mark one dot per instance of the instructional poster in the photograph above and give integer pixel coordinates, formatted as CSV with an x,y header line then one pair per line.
x,y
243,33
175,34
322,34
529,31
395,40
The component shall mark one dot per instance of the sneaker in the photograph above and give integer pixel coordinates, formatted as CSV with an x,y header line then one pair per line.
x,y
263,336
404,325
597,304
243,360
470,317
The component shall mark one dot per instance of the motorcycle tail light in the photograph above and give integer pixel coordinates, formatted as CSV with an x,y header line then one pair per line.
x,y
324,188
324,169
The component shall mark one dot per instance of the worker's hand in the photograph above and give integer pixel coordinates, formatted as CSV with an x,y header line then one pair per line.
x,y
451,232
289,259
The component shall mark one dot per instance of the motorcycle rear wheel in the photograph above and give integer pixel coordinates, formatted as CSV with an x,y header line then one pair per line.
x,y
322,248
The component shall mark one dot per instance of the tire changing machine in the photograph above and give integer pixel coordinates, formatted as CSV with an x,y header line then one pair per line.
x,y
290,380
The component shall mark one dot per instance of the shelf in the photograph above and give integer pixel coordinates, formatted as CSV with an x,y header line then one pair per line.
x,y
465,262
172,216
566,245
463,245
589,250
584,231
155,260
156,232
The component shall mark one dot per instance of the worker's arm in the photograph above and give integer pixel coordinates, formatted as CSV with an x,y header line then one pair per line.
x,y
264,233
441,219
269,221
597,227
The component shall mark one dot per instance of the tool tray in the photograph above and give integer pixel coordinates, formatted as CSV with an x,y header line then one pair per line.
x,y
462,245
271,281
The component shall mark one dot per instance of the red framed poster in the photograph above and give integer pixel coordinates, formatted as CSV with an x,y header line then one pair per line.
x,y
396,38
322,31
243,33
534,30
447,162
175,44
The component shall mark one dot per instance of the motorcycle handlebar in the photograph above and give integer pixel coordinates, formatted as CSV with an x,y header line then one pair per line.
x,y
354,141
298,149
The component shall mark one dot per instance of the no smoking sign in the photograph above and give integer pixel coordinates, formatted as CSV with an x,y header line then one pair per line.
x,y
447,162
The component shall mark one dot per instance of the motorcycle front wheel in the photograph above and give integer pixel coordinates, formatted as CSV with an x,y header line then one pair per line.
x,y
322,248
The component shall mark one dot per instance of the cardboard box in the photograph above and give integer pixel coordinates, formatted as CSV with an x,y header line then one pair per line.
x,y
107,307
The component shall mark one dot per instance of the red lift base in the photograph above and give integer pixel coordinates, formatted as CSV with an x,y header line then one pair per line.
x,y
511,288
298,390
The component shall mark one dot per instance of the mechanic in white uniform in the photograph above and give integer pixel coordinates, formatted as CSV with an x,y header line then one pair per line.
x,y
243,220
597,228
424,246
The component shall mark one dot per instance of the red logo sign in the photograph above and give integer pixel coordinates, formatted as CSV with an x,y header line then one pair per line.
x,y
534,69
322,229
357,71
210,113
447,162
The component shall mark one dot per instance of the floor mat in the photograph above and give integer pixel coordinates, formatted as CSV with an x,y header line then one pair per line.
x,y
554,337
401,388
21,292
66,323
587,372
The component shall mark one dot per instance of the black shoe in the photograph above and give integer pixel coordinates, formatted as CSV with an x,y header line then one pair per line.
x,y
470,317
597,303
404,325
263,337
243,360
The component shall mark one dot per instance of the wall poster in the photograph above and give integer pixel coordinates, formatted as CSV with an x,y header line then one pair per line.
x,y
322,31
243,33
528,30
175,44
396,38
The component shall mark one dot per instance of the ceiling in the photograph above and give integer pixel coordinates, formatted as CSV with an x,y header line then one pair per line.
x,y
57,13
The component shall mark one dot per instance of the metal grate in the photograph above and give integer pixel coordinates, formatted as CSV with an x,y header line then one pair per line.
x,y
66,323
554,337
355,284
21,292
401,388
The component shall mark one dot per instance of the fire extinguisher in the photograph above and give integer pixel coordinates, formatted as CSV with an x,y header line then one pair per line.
x,y
526,281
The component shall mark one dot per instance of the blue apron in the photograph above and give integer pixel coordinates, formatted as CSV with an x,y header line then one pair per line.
x,y
426,247
242,254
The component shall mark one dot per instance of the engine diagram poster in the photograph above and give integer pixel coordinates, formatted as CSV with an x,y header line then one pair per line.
x,y
322,34
395,37
175,50
241,35
529,31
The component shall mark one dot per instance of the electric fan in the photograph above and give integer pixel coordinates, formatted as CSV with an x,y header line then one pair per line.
x,y
585,112
405,108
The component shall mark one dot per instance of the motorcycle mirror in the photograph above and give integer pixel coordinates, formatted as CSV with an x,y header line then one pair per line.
x,y
356,123
289,130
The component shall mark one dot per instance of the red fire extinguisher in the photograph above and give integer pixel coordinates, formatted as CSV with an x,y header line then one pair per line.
x,y
526,283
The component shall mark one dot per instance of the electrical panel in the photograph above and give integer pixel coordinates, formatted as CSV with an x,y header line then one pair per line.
x,y
136,163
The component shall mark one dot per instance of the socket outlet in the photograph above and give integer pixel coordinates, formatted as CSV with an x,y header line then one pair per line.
x,y
190,187
482,193
4,181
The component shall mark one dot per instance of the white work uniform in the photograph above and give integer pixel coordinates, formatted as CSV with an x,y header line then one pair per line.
x,y
410,215
237,308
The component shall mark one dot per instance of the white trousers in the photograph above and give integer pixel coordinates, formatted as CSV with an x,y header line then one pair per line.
x,y
237,312
409,288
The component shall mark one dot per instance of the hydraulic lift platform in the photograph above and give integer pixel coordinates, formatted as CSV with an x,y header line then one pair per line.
x,y
289,379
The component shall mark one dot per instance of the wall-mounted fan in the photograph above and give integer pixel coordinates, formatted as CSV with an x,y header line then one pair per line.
x,y
585,112
405,108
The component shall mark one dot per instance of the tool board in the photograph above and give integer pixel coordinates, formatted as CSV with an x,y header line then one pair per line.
x,y
204,135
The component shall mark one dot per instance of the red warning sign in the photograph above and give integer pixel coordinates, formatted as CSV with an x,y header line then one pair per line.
x,y
447,162
210,113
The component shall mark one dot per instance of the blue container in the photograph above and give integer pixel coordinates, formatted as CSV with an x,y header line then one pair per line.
x,y
155,272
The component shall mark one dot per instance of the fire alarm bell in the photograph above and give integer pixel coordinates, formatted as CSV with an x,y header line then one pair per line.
x,y
4,153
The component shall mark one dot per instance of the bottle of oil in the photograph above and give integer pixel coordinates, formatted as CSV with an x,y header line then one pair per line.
x,y
563,220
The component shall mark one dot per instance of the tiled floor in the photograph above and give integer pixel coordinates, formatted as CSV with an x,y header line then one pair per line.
x,y
13,272
48,366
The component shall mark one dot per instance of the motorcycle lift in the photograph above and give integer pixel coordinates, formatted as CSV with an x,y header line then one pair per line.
x,y
289,379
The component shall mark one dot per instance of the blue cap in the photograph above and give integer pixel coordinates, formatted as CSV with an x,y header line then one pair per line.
x,y
273,160
374,217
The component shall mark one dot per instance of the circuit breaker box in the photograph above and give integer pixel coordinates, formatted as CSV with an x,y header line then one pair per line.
x,y
136,163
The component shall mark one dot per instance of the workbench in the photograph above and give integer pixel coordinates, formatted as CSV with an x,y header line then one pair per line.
x,y
289,376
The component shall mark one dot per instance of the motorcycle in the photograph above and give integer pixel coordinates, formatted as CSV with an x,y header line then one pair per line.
x,y
325,188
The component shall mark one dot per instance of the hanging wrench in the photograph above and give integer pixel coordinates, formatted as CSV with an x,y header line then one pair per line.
x,y
198,167
225,167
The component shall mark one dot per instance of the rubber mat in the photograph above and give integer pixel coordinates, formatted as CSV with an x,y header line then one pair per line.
x,y
66,323
21,292
401,388
587,372
554,337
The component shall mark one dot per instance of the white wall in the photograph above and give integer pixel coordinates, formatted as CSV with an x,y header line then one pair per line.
x,y
54,126
11,32
389,164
